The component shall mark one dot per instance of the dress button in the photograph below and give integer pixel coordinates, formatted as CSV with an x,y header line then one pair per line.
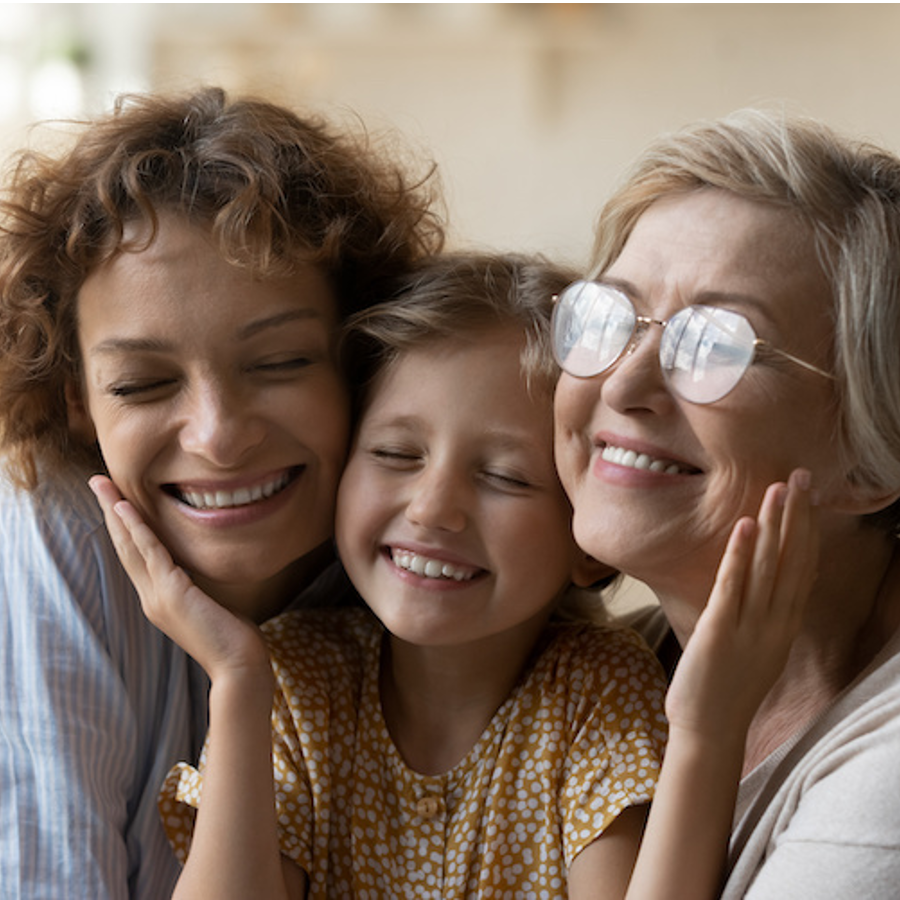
x,y
428,807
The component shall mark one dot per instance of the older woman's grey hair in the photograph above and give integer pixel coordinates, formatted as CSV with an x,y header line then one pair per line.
x,y
847,193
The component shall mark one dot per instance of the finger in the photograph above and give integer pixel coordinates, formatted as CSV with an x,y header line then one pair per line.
x,y
158,563
764,566
799,546
108,496
734,570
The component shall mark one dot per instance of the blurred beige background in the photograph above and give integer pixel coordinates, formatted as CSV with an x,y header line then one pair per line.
x,y
532,111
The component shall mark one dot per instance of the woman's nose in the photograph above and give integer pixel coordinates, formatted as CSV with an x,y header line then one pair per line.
x,y
220,426
636,380
437,501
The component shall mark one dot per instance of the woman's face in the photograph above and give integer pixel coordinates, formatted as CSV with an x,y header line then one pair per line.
x,y
217,404
707,247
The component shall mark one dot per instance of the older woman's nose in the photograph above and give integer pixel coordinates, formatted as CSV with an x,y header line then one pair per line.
x,y
636,380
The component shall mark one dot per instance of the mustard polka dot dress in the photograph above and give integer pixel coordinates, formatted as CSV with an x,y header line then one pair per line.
x,y
578,740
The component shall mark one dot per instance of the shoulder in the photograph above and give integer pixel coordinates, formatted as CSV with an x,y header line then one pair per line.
x,y
64,504
599,653
324,645
822,811
605,677
838,781
54,546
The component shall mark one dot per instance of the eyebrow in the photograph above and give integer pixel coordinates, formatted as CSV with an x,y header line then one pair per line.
x,y
703,298
155,345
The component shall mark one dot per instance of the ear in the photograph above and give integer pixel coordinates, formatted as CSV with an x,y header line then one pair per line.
x,y
857,498
587,571
80,421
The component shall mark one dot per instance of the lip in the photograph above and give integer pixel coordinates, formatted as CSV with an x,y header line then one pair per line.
x,y
618,457
235,501
430,566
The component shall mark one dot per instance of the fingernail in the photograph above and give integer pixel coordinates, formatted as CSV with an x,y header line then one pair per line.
x,y
803,479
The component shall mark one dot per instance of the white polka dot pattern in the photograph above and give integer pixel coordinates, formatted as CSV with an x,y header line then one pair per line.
x,y
578,740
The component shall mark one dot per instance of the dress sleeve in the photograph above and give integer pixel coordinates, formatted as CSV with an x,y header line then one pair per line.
x,y
179,798
311,700
616,734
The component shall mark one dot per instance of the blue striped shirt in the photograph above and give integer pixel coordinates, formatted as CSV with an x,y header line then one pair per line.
x,y
96,706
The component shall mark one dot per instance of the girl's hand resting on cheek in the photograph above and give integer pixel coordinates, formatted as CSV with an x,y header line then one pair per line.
x,y
223,643
744,635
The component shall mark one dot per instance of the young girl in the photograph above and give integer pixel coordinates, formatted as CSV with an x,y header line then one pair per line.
x,y
463,736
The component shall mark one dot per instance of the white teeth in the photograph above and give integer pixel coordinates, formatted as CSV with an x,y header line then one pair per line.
x,y
632,460
229,499
428,568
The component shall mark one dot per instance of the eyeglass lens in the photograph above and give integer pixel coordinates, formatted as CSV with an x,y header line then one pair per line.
x,y
704,351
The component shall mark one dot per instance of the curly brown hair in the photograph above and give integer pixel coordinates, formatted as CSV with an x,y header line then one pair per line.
x,y
275,191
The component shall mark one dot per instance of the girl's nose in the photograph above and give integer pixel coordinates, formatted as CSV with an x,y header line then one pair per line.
x,y
437,501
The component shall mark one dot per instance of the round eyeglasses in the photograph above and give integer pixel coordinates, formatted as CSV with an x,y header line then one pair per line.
x,y
704,350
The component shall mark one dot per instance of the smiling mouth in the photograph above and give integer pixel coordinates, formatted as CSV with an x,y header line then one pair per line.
x,y
631,459
245,496
428,567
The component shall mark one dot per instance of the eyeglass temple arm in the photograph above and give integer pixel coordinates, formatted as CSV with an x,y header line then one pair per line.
x,y
759,342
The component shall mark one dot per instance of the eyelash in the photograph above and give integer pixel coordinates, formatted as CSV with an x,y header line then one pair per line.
x,y
132,390
287,365
403,458
293,364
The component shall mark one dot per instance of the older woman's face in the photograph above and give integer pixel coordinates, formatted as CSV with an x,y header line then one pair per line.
x,y
707,247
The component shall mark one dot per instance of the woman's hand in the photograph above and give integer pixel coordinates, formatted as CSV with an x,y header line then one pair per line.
x,y
221,642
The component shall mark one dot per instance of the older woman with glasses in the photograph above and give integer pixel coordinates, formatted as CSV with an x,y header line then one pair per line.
x,y
742,322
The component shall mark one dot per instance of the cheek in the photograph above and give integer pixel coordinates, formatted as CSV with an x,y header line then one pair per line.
x,y
353,510
324,417
573,407
126,453
542,544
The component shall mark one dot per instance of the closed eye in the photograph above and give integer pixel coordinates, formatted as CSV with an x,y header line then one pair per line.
x,y
395,457
291,364
138,388
507,480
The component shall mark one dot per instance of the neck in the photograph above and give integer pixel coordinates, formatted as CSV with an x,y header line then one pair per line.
x,y
853,611
438,701
261,600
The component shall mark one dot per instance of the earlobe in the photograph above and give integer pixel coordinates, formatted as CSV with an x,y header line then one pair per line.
x,y
80,421
588,572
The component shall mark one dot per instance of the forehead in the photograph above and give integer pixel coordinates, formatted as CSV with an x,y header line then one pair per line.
x,y
723,233
711,244
181,277
484,366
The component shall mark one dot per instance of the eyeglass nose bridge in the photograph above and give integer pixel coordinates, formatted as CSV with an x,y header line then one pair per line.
x,y
641,327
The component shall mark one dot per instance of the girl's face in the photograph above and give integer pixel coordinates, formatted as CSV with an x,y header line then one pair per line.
x,y
218,407
451,519
669,527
